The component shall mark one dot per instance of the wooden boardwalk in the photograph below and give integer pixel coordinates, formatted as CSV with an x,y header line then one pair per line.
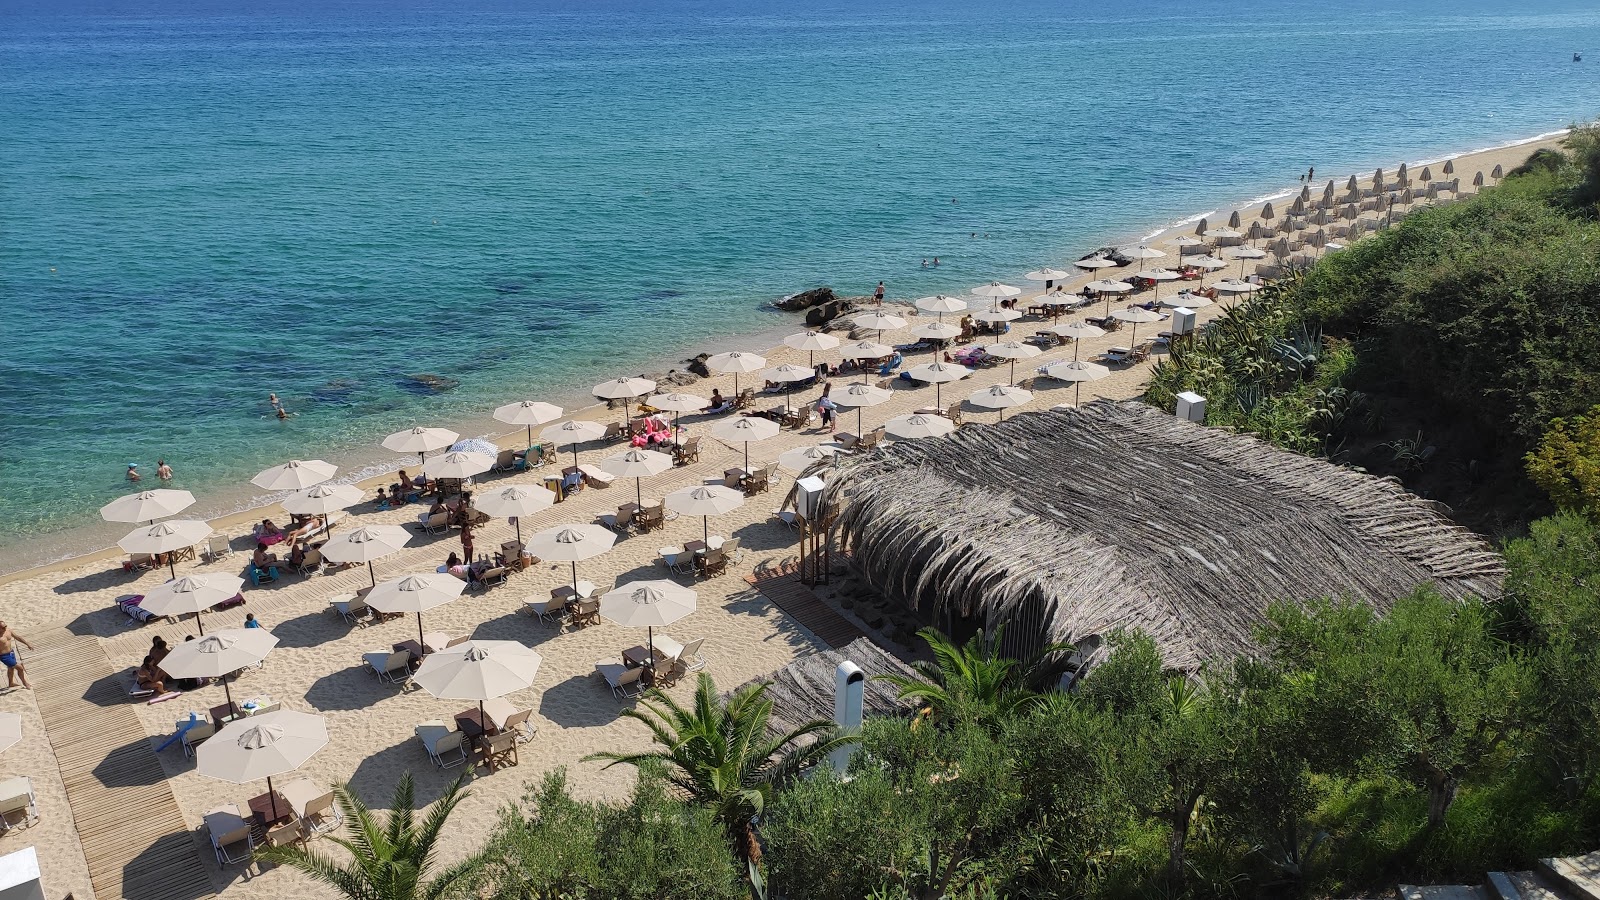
x,y
133,834
787,592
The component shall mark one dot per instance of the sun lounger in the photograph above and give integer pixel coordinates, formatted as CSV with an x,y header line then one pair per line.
x,y
622,520
350,607
196,735
230,835
595,476
625,682
438,523
138,562
18,807
312,562
445,745
218,546
388,666
614,432
129,604
549,611
496,575
787,517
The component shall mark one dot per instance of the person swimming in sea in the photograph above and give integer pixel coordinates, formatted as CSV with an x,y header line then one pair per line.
x,y
133,471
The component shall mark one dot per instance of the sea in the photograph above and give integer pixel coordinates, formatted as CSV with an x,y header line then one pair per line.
x,y
390,212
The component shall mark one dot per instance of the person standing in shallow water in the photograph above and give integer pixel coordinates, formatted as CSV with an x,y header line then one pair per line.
x,y
163,471
878,294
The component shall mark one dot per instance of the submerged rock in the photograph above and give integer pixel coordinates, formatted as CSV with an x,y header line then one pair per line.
x,y
806,299
430,383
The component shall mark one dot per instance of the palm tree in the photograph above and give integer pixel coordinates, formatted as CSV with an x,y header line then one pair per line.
x,y
975,674
719,754
390,860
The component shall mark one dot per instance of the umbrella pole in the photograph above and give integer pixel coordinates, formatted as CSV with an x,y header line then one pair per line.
x,y
705,531
420,642
370,575
227,692
638,492
1075,343
574,453
650,649
274,795
860,429
1077,395
936,401
1108,302
1013,372
574,580
172,564
200,621
747,456
530,437
519,529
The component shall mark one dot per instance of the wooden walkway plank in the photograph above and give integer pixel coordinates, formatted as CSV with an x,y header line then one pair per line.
x,y
134,838
784,588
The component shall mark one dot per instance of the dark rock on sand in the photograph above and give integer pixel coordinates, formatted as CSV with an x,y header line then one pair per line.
x,y
818,316
672,378
698,365
806,299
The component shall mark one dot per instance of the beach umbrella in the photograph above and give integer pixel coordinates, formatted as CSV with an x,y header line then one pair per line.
x,y
458,464
1497,173
1401,172
420,440
478,670
571,544
147,506
676,403
937,374
1234,221
365,544
1351,185
918,425
574,432
1095,262
811,342
1135,316
745,430
1000,397
1106,288
165,537
262,746
1207,263
191,594
295,475
866,350
1187,241
1201,226
736,362
705,501
940,304
416,594
637,464
1077,331
1449,167
860,395
994,290
219,654
648,605
1013,351
1305,192
936,331
1327,194
10,730
1427,175
1298,207
1077,372
1377,180
1187,300
1142,252
1477,180
1158,276
1280,248
527,413
1222,234
806,457
323,499
514,502
1047,275
786,375
1244,253
995,316
1229,286
878,321
624,389
1267,212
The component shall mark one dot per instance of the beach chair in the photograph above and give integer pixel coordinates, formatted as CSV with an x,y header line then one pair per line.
x,y
352,608
230,835
445,745
284,835
438,523
136,690
787,517
139,562
313,807
652,517
614,432
585,613
312,562
800,417
496,575
626,683
690,658
260,576
730,549
517,724
505,462
218,546
953,413
687,452
713,563
18,806
500,751
549,611
512,553
196,735
390,666
621,520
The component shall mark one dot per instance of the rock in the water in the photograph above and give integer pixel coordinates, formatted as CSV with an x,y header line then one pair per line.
x,y
672,378
833,309
438,384
698,365
806,299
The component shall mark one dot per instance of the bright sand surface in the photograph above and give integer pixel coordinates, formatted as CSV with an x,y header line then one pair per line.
x,y
317,665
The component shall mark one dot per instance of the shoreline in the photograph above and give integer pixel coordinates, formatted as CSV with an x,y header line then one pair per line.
x,y
371,470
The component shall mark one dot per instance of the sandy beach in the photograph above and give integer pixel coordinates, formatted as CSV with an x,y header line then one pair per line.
x,y
317,664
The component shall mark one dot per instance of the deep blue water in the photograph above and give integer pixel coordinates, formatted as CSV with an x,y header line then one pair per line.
x,y
202,202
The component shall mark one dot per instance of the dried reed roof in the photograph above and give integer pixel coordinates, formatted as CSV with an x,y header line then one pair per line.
x,y
1069,524
803,690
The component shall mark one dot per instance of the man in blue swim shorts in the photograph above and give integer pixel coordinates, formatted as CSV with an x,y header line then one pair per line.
x,y
8,655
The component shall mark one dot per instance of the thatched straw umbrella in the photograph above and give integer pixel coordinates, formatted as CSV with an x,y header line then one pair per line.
x,y
1497,173
1449,167
1477,180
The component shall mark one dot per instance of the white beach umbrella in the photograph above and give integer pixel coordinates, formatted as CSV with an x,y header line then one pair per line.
x,y
10,730
571,544
527,413
705,501
1106,288
262,746
478,670
1135,316
877,321
574,432
1244,253
1095,262
1158,276
939,304
1012,350
638,464
514,502
1187,301
1229,286
676,403
624,389
219,654
994,290
735,362
1217,234
811,342
1187,241
648,605
365,544
861,395
1077,372
1077,332
415,594
918,425
420,440
786,375
165,537
295,475
323,499
995,316
745,430
1000,397
1207,263
458,464
1142,252
805,457
1047,275
192,594
147,506
936,331
938,374
866,350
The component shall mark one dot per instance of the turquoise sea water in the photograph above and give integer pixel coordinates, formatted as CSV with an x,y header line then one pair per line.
x,y
202,202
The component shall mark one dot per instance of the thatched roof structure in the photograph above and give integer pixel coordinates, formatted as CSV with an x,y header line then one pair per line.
x,y
1069,524
803,690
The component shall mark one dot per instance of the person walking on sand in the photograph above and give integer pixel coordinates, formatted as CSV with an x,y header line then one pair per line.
x,y
8,655
878,294
163,471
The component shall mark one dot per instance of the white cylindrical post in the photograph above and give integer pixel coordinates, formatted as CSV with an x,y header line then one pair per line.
x,y
849,682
